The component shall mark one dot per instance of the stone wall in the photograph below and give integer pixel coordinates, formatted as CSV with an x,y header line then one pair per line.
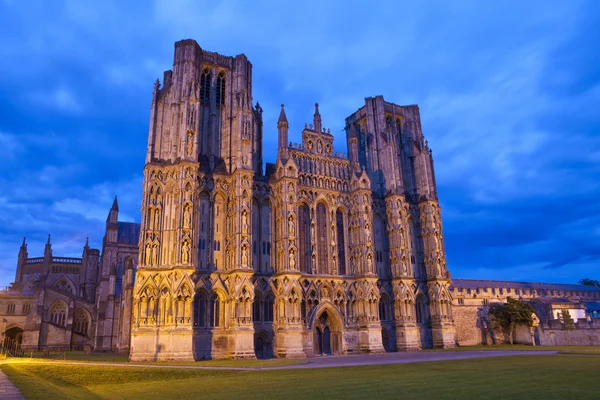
x,y
468,329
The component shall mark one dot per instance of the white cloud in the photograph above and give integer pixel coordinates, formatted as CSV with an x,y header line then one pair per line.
x,y
60,98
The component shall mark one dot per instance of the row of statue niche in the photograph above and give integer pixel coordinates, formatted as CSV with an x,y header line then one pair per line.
x,y
151,254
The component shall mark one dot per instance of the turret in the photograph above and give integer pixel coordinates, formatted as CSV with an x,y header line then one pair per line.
x,y
112,227
89,275
317,118
282,130
352,143
48,249
22,260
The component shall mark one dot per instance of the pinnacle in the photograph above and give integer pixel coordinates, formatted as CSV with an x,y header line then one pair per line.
x,y
282,116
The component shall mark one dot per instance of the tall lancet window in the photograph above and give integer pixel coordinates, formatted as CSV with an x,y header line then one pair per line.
x,y
205,86
304,239
323,266
221,89
341,242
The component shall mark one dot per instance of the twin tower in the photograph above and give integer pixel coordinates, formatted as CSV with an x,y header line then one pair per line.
x,y
319,253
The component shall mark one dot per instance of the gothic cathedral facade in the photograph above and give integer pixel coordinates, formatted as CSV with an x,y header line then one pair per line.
x,y
320,253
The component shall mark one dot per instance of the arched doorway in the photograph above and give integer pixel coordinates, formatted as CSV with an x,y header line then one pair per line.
x,y
14,335
263,348
327,334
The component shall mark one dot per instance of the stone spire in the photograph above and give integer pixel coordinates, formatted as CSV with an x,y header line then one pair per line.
x,y
48,248
282,129
113,214
115,205
317,118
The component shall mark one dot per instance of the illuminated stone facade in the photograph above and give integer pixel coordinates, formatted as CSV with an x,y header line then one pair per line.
x,y
320,253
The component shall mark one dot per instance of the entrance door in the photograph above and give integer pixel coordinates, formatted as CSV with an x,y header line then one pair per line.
x,y
326,341
259,348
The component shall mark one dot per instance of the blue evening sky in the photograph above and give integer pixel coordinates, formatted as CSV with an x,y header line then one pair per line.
x,y
509,93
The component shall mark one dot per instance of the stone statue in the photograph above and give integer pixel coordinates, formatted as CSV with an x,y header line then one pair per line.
x,y
292,259
148,253
154,255
244,221
156,219
187,217
291,226
244,256
185,253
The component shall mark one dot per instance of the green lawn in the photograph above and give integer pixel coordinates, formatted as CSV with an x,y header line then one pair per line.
x,y
119,358
562,349
520,377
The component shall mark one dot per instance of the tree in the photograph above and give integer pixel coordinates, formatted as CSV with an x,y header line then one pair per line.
x,y
510,314
568,323
590,282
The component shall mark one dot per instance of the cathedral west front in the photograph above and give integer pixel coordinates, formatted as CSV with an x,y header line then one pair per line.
x,y
321,252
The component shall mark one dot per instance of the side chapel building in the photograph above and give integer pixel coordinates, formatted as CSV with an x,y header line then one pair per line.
x,y
319,253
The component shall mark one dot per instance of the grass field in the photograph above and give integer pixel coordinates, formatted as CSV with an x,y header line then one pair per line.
x,y
562,349
517,377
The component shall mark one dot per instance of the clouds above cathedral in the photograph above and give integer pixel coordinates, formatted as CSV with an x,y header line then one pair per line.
x,y
509,96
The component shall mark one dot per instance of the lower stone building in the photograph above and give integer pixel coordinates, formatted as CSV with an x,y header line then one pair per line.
x,y
472,298
74,303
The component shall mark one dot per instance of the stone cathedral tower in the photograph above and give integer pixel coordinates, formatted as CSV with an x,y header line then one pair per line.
x,y
204,148
320,254
387,141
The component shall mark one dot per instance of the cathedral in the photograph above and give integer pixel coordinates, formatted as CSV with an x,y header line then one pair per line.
x,y
321,252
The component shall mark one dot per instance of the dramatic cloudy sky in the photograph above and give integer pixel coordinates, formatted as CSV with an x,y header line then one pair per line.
x,y
509,93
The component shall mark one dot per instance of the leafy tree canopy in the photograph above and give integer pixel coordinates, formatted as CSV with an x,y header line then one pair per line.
x,y
590,282
567,320
510,314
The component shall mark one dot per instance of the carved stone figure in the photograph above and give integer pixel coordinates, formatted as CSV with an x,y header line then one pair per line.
x,y
185,253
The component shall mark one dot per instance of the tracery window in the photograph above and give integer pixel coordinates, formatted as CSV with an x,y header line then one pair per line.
x,y
304,238
205,86
80,322
26,308
341,242
215,311
422,310
322,239
221,89
64,285
200,310
256,309
58,313
268,308
10,309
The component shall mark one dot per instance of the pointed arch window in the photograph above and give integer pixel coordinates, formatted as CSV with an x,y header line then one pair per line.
x,y
215,311
200,310
304,238
205,86
268,308
256,309
221,89
341,241
58,313
64,286
322,244
80,322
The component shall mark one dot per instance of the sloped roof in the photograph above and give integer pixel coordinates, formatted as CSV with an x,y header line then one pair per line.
x,y
128,232
474,284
